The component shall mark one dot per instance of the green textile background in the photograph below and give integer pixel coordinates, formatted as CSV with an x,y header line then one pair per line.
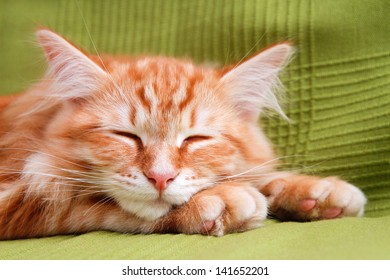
x,y
338,89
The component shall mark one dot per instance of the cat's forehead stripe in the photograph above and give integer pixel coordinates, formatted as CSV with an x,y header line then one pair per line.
x,y
164,92
192,118
145,102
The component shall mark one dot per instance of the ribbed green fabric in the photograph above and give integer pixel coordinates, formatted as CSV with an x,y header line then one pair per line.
x,y
351,238
338,89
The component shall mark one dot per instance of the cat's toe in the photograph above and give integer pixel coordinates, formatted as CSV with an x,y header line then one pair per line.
x,y
244,208
342,199
331,213
210,209
347,197
307,204
200,215
207,226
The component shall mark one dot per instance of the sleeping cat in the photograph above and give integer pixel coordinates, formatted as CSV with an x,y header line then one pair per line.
x,y
150,145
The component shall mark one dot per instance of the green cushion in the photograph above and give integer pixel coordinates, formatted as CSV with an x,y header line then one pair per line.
x,y
350,238
338,100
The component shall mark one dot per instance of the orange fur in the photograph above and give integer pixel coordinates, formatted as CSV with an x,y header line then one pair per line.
x,y
149,144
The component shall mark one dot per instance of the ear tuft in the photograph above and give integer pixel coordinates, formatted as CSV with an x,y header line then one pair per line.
x,y
278,55
252,84
74,75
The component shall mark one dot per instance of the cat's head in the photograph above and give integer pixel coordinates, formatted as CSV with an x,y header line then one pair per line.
x,y
156,130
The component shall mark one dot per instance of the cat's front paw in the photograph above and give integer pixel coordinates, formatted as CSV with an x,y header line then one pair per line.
x,y
224,209
310,198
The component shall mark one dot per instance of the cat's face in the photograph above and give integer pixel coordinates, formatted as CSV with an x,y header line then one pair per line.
x,y
157,130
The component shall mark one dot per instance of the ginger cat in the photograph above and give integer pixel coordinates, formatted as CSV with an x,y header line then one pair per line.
x,y
150,145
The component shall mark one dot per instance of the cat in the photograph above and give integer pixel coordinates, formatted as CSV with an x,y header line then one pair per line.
x,y
151,145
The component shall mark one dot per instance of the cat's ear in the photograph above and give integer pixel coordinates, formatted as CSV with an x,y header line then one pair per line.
x,y
73,73
251,85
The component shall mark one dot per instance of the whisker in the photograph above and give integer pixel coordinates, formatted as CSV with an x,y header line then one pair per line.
x,y
46,154
54,176
200,215
97,52
97,205
255,173
78,172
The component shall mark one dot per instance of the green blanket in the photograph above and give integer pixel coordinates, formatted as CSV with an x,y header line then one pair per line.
x,y
338,100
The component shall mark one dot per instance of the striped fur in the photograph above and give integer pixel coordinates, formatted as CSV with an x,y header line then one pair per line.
x,y
149,144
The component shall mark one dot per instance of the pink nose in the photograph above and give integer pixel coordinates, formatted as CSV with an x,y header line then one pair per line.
x,y
161,180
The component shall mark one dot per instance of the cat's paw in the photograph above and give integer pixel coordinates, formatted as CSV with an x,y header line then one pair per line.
x,y
225,209
310,198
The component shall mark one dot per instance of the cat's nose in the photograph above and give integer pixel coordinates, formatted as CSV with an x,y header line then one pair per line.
x,y
161,180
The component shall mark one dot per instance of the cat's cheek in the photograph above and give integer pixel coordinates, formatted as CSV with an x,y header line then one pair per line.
x,y
148,210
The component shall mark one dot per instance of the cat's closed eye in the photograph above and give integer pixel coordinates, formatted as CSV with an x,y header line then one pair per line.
x,y
195,138
129,135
